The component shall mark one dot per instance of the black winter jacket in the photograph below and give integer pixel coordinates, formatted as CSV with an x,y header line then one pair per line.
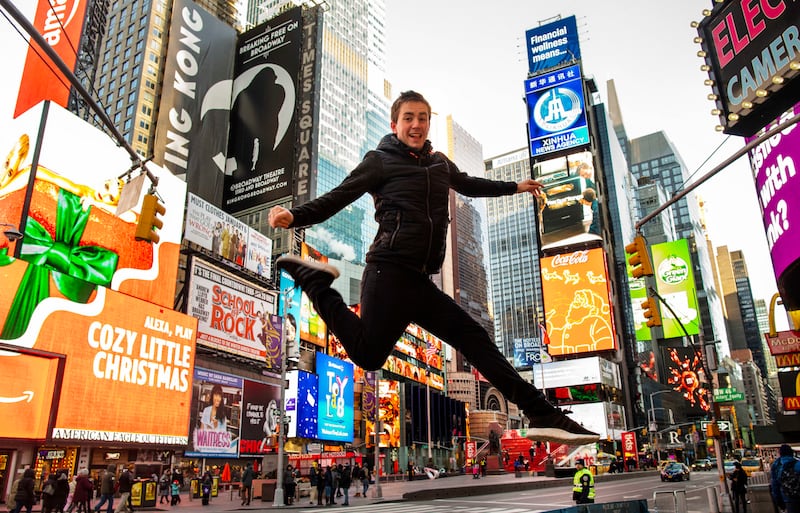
x,y
411,191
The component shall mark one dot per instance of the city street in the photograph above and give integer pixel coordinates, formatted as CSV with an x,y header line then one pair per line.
x,y
498,494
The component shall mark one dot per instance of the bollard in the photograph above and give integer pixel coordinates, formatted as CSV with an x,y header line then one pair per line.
x,y
713,499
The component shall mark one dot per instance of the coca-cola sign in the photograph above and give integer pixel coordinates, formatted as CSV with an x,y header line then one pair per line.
x,y
578,257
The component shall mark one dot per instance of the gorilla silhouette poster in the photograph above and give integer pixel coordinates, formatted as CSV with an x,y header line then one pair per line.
x,y
260,157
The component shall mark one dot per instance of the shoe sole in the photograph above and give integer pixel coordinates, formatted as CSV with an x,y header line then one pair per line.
x,y
560,436
311,264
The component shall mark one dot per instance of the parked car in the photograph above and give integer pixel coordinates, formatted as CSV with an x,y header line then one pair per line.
x,y
751,465
728,466
675,472
702,464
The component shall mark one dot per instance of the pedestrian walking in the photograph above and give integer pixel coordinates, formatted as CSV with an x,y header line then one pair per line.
x,y
410,185
739,488
356,479
107,482
24,498
785,480
175,493
320,485
164,487
344,483
582,484
289,485
83,492
329,486
62,490
247,484
366,477
48,493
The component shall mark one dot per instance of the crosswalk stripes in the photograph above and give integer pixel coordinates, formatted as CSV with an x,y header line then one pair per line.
x,y
410,507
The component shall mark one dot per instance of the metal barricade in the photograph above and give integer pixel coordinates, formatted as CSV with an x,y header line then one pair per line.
x,y
670,501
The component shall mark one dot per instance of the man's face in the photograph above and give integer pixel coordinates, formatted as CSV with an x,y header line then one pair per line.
x,y
413,123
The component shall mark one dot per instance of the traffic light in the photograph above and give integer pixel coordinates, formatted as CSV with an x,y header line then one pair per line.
x,y
651,313
639,258
148,219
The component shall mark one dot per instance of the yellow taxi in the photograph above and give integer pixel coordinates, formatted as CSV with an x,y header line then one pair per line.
x,y
750,465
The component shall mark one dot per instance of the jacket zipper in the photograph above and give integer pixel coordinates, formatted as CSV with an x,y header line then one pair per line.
x,y
397,218
430,221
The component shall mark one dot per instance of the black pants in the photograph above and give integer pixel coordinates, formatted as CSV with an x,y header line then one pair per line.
x,y
391,298
739,497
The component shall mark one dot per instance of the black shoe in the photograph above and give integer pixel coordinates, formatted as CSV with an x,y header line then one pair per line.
x,y
555,426
309,274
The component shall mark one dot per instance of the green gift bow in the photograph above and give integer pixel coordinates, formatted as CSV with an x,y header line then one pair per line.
x,y
76,270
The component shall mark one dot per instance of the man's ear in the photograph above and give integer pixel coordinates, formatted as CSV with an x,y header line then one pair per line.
x,y
393,125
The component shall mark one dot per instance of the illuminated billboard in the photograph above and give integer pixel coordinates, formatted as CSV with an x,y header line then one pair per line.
x,y
583,371
216,404
568,205
774,163
302,320
683,373
28,393
82,217
192,128
259,430
227,237
335,401
130,356
557,120
576,299
675,284
301,404
233,315
389,414
261,148
552,45
750,49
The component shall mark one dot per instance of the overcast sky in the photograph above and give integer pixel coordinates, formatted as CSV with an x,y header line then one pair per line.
x,y
470,62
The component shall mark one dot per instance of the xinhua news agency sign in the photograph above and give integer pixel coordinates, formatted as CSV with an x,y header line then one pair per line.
x,y
752,49
556,112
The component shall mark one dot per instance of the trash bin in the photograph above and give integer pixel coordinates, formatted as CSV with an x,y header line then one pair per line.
x,y
268,491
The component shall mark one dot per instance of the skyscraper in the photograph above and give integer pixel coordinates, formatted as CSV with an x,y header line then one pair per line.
x,y
513,255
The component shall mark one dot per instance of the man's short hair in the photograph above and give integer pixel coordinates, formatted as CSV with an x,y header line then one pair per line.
x,y
589,194
786,450
407,96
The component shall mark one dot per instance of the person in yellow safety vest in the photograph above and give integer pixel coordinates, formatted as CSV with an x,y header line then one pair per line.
x,y
582,484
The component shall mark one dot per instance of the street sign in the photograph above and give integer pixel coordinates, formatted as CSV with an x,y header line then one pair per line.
x,y
724,425
726,395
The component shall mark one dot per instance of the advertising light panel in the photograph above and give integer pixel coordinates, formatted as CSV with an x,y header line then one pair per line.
x,y
233,315
261,158
28,393
683,374
259,433
576,298
675,283
128,355
301,404
552,45
775,163
335,402
194,113
582,371
216,414
82,218
556,112
389,414
227,237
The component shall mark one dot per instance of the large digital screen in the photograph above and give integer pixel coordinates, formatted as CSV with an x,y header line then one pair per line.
x,y
675,283
388,413
216,414
234,315
259,410
128,355
82,216
576,299
335,401
28,393
684,371
301,404
557,120
774,163
552,45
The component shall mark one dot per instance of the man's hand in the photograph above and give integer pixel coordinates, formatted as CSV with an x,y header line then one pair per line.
x,y
280,217
529,185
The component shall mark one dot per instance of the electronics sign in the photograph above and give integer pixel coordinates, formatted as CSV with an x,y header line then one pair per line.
x,y
556,112
335,402
751,49
576,298
552,45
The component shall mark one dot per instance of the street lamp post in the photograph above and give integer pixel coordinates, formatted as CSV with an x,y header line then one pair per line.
x,y
652,427
278,498
378,493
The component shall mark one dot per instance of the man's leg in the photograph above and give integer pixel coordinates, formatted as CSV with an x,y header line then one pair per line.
x,y
385,307
439,314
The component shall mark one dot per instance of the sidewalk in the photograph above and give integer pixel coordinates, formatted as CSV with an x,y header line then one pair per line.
x,y
394,491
